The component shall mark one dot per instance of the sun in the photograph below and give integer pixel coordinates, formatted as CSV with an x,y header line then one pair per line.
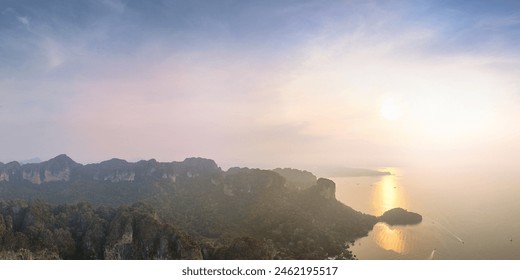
x,y
390,110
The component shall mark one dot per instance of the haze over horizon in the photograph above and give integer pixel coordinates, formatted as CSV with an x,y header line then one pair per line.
x,y
262,83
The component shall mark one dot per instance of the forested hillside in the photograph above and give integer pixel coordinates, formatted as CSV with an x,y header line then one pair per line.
x,y
179,210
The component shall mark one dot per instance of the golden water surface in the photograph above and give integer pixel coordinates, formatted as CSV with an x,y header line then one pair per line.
x,y
388,194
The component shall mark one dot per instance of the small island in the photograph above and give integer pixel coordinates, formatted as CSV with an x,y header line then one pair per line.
x,y
400,216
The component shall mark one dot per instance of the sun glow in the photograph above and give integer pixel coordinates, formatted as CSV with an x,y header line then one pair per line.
x,y
390,110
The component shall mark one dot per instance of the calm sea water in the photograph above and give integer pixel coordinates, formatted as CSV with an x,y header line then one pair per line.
x,y
466,215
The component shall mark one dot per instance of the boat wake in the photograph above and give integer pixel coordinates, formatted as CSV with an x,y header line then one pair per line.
x,y
432,254
450,232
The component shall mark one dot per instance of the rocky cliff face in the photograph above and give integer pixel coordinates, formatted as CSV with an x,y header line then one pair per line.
x,y
53,170
326,188
61,175
32,176
142,236
244,181
8,171
4,176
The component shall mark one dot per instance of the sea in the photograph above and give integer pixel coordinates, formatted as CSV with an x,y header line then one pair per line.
x,y
467,215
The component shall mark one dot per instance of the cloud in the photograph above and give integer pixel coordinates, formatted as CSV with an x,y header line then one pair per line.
x,y
187,101
449,100
24,21
262,92
499,22
55,54
116,6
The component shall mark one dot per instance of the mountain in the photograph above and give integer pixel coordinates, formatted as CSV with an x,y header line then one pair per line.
x,y
297,179
241,213
56,169
63,169
32,160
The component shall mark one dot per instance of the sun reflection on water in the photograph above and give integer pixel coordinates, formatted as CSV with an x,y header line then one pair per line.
x,y
387,195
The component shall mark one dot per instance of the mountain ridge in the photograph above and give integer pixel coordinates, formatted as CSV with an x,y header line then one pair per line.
x,y
241,213
63,168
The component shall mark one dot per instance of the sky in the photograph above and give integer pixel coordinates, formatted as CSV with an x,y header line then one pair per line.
x,y
266,84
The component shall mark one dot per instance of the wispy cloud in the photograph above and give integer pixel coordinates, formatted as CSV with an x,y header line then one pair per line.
x,y
24,21
499,22
265,83
117,6
53,52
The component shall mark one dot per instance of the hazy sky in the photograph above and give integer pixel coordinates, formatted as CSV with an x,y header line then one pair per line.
x,y
262,83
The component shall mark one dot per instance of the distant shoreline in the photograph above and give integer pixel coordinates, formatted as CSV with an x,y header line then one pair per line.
x,y
355,172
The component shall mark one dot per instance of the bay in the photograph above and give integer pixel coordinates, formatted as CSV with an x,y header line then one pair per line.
x,y
466,214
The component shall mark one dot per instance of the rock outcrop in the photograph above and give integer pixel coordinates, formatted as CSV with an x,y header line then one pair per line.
x,y
53,170
244,181
400,216
9,171
326,188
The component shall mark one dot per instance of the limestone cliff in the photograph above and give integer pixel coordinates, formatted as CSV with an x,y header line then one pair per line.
x,y
245,181
64,169
326,188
